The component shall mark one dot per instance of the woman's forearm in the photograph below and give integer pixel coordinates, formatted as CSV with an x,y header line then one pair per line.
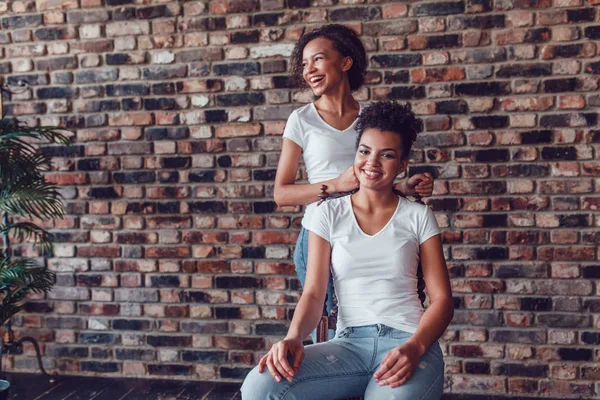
x,y
300,194
433,323
306,316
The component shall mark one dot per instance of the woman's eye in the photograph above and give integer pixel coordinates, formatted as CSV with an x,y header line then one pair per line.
x,y
363,152
388,155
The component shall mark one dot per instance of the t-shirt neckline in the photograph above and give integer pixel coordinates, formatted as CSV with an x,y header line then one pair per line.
x,y
382,229
314,108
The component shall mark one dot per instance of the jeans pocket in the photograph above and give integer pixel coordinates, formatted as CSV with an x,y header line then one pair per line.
x,y
399,334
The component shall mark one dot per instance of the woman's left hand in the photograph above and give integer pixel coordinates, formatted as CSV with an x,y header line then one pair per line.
x,y
420,185
276,360
398,365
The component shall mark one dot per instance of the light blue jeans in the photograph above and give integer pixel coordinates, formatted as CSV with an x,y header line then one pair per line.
x,y
344,367
300,261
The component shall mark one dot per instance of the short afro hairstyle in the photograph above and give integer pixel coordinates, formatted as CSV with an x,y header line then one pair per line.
x,y
346,41
391,116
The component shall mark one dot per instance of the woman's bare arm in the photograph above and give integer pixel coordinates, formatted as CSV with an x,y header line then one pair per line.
x,y
288,193
438,315
308,310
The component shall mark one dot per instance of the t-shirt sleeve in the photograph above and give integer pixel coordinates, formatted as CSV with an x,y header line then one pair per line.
x,y
428,225
320,221
292,129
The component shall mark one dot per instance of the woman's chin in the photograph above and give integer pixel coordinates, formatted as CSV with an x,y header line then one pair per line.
x,y
377,185
370,184
317,92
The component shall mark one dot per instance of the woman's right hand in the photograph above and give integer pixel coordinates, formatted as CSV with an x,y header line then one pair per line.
x,y
277,362
346,182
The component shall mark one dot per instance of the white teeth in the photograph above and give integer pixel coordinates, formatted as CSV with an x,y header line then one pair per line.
x,y
371,174
315,79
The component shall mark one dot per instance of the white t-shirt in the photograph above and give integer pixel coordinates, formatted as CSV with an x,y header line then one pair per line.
x,y
327,151
375,276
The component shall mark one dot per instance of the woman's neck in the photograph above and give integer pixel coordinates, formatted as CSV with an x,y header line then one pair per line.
x,y
338,102
372,200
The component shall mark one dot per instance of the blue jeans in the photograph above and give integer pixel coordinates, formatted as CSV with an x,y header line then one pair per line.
x,y
344,367
300,261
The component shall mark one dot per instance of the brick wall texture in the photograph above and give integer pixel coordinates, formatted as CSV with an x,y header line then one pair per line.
x,y
174,261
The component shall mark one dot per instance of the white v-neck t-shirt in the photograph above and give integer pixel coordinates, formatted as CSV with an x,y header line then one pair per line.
x,y
375,276
327,151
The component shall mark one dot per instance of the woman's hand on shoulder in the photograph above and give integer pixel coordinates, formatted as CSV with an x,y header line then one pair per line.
x,y
276,360
419,185
346,182
399,364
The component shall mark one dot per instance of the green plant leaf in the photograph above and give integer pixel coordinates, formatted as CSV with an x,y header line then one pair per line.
x,y
25,193
38,200
28,230
25,272
13,128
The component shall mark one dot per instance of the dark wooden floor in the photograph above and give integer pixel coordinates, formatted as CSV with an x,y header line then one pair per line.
x,y
37,387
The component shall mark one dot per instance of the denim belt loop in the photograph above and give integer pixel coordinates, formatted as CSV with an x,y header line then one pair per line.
x,y
345,332
383,329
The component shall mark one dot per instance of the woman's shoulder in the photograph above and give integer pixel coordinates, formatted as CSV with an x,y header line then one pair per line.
x,y
335,206
411,207
299,115
304,112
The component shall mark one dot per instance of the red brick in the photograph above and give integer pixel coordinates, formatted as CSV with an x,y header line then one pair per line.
x,y
437,75
230,131
394,10
168,252
64,179
130,119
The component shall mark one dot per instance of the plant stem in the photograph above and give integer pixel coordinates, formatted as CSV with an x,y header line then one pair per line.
x,y
6,238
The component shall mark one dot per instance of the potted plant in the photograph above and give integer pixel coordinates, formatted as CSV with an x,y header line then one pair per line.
x,y
25,198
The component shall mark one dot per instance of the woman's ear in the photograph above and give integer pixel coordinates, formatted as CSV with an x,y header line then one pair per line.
x,y
402,167
347,64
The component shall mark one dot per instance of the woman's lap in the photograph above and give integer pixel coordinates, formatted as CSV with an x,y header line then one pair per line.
x,y
343,368
330,370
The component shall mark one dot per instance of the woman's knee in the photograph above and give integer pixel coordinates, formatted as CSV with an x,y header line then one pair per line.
x,y
410,390
426,382
259,386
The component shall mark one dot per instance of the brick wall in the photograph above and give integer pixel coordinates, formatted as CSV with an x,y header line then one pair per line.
x,y
175,261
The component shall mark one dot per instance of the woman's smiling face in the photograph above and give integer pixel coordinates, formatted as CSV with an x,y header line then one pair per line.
x,y
323,67
378,159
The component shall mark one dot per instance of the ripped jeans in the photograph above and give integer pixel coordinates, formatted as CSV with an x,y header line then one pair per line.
x,y
344,367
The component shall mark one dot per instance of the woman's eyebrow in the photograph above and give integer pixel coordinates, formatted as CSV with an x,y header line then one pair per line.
x,y
386,149
314,55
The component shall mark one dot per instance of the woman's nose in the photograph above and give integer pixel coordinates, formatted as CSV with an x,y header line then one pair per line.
x,y
373,159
